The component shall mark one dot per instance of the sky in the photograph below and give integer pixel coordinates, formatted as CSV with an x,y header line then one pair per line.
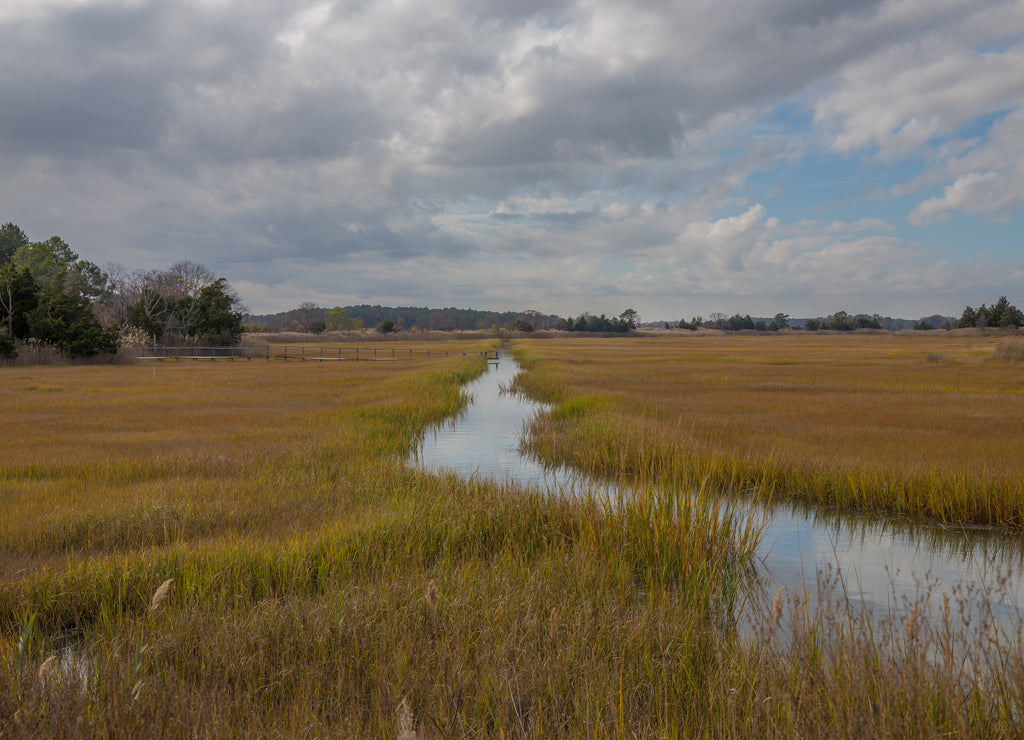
x,y
678,158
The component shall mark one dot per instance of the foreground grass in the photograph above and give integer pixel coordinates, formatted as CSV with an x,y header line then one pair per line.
x,y
923,425
314,583
270,567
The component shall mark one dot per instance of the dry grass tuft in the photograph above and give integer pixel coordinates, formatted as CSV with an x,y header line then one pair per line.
x,y
1010,351
912,626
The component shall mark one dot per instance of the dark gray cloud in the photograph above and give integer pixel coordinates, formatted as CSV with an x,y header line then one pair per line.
x,y
309,124
106,111
817,14
109,76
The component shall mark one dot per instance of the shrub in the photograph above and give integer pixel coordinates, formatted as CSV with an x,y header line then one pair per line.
x,y
1010,352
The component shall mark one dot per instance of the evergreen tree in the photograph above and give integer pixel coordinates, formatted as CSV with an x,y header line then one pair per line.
x,y
217,322
66,321
1000,314
12,238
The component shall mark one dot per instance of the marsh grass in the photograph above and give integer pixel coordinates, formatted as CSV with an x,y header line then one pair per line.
x,y
310,584
485,609
861,421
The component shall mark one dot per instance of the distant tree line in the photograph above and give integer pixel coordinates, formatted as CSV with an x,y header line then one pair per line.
x,y
839,321
621,324
50,296
1001,314
735,323
842,321
309,317
935,321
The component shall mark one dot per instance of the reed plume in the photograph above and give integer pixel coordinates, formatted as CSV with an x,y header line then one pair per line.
x,y
160,594
432,598
406,726
45,666
776,609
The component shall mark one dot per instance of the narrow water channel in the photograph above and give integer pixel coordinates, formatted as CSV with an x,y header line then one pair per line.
x,y
881,560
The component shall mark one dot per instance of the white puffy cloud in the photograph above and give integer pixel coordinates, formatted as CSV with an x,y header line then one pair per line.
x,y
911,98
905,97
988,178
926,84
988,192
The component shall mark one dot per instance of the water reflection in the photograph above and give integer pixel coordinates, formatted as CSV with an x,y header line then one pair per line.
x,y
484,439
883,561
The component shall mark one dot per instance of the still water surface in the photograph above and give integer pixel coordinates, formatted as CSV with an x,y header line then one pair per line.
x,y
882,560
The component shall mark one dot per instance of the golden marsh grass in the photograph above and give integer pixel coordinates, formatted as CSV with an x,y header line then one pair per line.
x,y
924,424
